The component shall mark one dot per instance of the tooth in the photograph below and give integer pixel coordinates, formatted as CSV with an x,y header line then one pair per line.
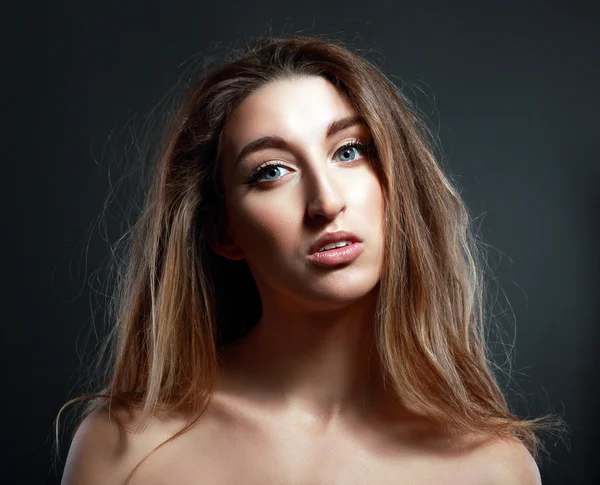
x,y
334,245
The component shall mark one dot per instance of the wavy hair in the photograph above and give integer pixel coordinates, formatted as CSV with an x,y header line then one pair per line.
x,y
172,315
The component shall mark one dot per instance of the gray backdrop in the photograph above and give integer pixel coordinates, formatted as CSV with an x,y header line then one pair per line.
x,y
511,89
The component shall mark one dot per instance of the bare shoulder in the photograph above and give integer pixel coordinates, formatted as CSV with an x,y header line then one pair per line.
x,y
501,462
107,446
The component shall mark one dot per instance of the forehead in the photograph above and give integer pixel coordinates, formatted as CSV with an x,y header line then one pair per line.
x,y
299,108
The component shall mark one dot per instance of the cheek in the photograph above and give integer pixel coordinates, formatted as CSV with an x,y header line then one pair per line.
x,y
263,226
367,196
369,205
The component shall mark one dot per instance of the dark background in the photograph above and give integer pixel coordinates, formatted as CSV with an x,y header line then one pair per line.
x,y
511,88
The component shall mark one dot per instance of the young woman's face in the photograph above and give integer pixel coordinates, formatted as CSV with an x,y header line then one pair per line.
x,y
299,182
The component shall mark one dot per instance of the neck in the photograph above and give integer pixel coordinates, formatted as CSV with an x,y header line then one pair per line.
x,y
314,366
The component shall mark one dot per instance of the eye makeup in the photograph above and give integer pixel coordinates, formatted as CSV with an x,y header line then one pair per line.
x,y
257,175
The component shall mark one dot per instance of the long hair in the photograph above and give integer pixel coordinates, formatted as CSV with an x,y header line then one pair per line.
x,y
430,324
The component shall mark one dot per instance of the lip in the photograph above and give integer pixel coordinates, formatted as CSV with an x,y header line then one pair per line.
x,y
333,237
335,257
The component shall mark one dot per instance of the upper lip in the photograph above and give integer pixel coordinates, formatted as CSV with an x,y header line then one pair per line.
x,y
333,237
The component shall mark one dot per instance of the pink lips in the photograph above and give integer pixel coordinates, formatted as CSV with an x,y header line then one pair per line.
x,y
336,256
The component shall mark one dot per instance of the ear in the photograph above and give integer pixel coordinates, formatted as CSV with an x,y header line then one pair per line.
x,y
222,243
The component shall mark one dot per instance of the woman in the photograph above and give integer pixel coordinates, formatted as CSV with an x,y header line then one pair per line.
x,y
304,298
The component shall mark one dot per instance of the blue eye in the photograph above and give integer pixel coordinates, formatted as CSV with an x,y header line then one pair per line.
x,y
348,153
350,148
271,171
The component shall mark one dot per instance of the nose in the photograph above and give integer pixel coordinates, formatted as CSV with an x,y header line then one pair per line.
x,y
325,197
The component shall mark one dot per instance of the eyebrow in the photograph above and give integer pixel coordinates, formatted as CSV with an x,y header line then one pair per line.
x,y
277,142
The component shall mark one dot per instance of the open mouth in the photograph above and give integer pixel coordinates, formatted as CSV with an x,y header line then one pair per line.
x,y
331,246
336,254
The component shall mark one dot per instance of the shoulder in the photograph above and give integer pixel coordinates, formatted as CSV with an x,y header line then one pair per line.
x,y
502,462
106,447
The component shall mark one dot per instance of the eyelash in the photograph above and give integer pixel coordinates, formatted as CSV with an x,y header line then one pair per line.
x,y
255,177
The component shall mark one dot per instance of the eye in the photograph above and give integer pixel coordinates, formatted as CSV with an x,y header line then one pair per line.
x,y
268,172
272,172
350,151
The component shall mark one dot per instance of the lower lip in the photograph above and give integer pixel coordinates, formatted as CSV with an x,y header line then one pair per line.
x,y
334,257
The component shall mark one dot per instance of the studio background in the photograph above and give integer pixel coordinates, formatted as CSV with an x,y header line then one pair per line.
x,y
511,89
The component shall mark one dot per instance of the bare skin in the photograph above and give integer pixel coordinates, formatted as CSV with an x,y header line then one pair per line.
x,y
301,399
240,442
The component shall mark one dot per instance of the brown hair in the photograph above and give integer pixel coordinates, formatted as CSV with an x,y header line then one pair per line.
x,y
431,313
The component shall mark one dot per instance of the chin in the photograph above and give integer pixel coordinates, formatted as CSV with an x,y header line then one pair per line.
x,y
342,287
